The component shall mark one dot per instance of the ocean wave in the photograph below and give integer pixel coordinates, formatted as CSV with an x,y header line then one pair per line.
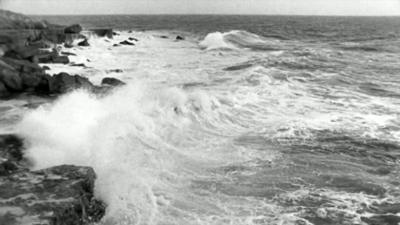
x,y
237,39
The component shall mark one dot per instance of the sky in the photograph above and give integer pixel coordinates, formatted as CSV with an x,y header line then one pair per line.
x,y
286,7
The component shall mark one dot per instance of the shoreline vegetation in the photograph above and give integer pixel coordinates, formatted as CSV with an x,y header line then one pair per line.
x,y
59,195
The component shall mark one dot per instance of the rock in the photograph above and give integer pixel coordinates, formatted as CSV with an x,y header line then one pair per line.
x,y
110,81
114,71
11,154
30,80
73,29
21,65
45,68
116,45
126,43
61,195
115,34
84,43
11,79
164,36
64,82
78,64
68,45
179,38
103,32
133,39
68,53
3,90
60,59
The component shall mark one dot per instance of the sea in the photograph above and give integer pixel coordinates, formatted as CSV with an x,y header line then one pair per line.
x,y
250,120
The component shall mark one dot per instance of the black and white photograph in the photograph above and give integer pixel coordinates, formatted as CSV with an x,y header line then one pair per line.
x,y
199,112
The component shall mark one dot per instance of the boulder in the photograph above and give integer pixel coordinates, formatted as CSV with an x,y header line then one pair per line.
x,y
111,81
179,38
84,43
68,45
126,43
73,29
11,154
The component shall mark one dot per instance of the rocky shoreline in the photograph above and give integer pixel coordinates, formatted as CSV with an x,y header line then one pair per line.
x,y
62,194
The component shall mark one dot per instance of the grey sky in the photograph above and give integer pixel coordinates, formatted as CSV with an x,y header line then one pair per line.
x,y
299,7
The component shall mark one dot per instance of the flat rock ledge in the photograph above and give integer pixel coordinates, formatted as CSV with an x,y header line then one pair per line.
x,y
61,195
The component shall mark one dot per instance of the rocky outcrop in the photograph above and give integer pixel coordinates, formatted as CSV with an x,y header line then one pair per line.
x,y
61,195
179,38
110,81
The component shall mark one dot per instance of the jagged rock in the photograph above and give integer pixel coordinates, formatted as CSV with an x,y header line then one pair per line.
x,y
84,43
133,39
21,65
126,43
73,29
111,81
61,195
179,38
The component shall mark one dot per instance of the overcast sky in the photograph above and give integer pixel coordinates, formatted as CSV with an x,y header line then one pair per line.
x,y
298,7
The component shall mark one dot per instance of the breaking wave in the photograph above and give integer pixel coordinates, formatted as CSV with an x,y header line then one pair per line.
x,y
237,39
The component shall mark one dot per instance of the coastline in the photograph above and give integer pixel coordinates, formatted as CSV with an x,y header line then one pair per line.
x,y
62,194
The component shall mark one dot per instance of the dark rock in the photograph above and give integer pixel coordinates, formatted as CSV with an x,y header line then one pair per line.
x,y
133,39
164,36
20,65
3,90
78,64
115,33
68,45
30,80
61,195
103,32
179,38
60,59
110,81
11,154
68,53
84,43
114,71
10,77
126,43
382,220
116,45
64,82
45,68
73,29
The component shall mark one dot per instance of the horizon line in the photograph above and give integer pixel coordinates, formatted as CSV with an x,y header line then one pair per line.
x,y
217,14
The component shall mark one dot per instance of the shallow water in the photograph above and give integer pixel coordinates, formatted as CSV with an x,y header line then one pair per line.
x,y
232,126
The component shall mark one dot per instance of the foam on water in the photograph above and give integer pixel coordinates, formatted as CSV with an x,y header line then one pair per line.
x,y
187,142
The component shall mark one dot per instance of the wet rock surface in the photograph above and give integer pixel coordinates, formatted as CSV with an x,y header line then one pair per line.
x,y
56,195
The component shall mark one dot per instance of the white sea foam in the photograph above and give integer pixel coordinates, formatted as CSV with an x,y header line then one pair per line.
x,y
156,147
